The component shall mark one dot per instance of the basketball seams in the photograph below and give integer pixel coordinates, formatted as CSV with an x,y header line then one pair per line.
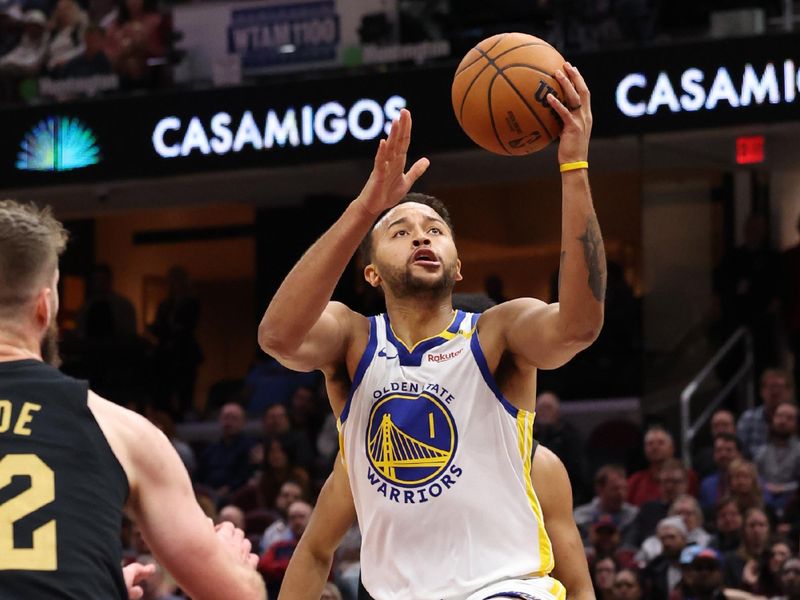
x,y
513,87
500,38
491,114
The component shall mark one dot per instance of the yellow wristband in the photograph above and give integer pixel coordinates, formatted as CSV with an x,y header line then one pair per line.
x,y
572,166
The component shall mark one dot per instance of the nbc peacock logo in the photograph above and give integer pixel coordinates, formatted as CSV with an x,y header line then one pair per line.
x,y
58,143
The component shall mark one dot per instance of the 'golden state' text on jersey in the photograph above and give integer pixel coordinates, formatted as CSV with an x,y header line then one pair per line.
x,y
439,465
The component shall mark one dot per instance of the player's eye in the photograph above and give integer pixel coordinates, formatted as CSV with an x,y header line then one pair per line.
x,y
435,230
399,232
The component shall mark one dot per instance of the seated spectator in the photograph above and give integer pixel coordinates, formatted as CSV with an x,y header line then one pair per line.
x,y
610,488
327,444
659,447
722,421
728,525
744,486
626,586
133,38
225,466
277,426
763,576
778,461
27,58
790,580
563,439
663,574
278,468
603,572
347,563
93,61
274,562
268,382
701,569
330,592
714,486
672,483
687,508
753,425
291,492
68,24
232,514
755,535
605,542
306,415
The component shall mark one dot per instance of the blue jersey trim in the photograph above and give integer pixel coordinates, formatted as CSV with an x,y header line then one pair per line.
x,y
413,358
480,359
366,359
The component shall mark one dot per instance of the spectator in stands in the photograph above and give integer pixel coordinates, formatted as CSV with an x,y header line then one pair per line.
x,y
347,563
105,314
177,354
275,560
68,24
663,573
603,572
225,465
278,468
753,425
93,61
165,423
743,485
563,439
277,426
722,421
701,575
659,447
727,448
790,300
605,542
27,57
232,514
306,415
268,382
626,585
327,444
790,580
291,491
687,508
778,461
728,525
755,535
746,285
610,488
672,483
10,25
133,38
330,592
764,576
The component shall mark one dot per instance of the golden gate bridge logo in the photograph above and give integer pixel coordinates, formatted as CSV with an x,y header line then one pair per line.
x,y
410,439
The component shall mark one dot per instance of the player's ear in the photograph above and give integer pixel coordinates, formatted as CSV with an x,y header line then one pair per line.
x,y
371,275
44,307
459,277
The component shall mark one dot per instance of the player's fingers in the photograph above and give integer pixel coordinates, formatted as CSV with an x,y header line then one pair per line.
x,y
405,130
135,593
142,572
417,169
380,155
252,560
571,97
566,115
579,82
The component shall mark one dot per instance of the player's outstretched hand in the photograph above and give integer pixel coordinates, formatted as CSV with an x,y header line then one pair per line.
x,y
576,112
134,574
237,545
389,181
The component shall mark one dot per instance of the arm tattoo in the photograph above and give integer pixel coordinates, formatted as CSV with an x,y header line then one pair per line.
x,y
595,256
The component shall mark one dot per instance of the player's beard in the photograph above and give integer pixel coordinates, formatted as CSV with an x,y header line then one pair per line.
x,y
49,345
402,283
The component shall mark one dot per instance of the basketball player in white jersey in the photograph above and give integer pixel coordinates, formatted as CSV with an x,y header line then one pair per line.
x,y
436,406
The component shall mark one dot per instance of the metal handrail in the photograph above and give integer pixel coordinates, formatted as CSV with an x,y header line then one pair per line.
x,y
689,430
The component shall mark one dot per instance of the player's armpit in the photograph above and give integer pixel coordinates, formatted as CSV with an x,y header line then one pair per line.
x,y
325,344
551,482
534,332
332,517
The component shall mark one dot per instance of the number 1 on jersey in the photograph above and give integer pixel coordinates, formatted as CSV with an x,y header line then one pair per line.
x,y
430,425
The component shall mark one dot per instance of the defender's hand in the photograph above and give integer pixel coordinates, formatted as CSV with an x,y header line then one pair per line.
x,y
134,574
577,115
388,183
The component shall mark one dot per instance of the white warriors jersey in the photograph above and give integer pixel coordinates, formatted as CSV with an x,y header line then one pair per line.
x,y
439,465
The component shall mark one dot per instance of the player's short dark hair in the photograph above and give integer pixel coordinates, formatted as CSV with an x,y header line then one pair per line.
x,y
365,248
31,240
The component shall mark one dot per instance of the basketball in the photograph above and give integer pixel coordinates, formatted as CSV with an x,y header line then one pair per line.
x,y
500,94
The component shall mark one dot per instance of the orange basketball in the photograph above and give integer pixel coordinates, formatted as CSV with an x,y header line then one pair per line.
x,y
499,94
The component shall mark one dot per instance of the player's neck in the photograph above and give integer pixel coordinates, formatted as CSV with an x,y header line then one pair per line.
x,y
413,321
13,347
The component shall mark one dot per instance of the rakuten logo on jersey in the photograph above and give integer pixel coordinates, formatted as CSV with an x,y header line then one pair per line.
x,y
698,90
437,358
328,123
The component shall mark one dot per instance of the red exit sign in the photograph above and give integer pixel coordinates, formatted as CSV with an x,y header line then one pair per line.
x,y
750,149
